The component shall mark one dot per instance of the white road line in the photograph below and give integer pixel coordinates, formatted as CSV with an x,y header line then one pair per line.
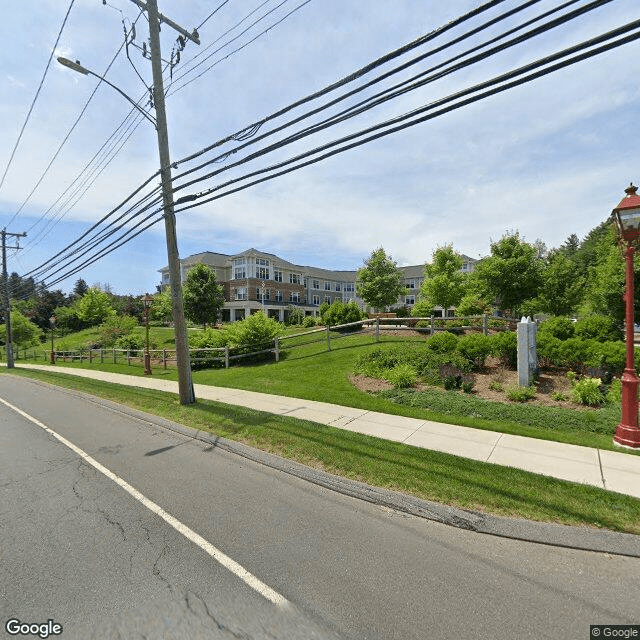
x,y
188,533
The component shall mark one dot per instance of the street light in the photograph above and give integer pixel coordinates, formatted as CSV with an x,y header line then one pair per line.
x,y
147,301
627,219
52,324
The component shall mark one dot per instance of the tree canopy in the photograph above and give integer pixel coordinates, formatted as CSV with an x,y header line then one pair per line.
x,y
379,283
203,296
444,283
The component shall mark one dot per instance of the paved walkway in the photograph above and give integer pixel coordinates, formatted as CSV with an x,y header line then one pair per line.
x,y
606,469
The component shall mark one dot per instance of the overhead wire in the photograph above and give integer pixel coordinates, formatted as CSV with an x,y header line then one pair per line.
x,y
394,91
122,240
399,124
430,36
35,99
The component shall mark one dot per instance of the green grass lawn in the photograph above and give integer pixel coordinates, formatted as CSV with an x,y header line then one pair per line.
x,y
311,372
426,474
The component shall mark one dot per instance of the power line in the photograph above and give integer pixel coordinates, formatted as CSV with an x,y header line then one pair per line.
x,y
489,88
213,13
35,98
395,90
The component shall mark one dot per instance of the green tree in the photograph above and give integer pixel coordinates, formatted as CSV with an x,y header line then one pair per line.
x,y
443,283
79,288
162,307
512,273
94,307
24,333
203,296
379,283
562,286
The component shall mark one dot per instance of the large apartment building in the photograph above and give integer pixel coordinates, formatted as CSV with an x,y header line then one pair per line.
x,y
254,280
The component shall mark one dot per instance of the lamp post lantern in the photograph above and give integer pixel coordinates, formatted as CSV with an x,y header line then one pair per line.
x,y
627,218
52,324
147,301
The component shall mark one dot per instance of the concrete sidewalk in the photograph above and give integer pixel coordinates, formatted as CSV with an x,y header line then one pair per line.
x,y
610,470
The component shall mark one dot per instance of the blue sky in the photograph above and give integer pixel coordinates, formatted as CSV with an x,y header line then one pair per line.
x,y
549,158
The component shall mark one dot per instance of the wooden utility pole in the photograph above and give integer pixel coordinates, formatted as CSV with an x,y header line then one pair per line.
x,y
185,384
7,294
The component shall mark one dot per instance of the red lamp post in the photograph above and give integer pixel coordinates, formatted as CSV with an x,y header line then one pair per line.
x,y
627,219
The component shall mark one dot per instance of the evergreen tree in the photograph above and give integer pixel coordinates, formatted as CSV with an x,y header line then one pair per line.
x,y
203,296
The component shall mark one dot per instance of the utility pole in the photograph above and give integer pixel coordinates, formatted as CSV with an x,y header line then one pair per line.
x,y
7,294
185,384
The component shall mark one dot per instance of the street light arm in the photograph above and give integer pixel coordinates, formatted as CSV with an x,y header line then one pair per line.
x,y
76,66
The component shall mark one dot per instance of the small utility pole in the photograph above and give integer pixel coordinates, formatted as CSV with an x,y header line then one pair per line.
x,y
7,294
185,384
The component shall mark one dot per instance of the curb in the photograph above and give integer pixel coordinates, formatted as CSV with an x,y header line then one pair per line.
x,y
557,535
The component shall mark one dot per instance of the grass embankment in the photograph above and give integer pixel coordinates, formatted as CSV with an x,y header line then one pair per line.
x,y
426,474
313,373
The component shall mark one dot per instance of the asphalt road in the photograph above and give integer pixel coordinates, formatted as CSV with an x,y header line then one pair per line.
x,y
89,553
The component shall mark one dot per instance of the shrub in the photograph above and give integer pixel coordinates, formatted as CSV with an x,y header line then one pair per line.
x,y
322,309
597,327
254,333
494,385
560,327
504,345
401,376
131,343
309,322
295,315
521,394
587,391
614,393
475,347
452,382
558,396
574,352
467,386
341,313
608,356
443,342
549,349
115,327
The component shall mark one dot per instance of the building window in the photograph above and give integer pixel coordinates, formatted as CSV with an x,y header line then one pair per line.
x,y
294,296
239,273
316,284
262,294
165,277
349,286
277,275
278,296
240,293
316,300
327,286
294,278
338,286
410,300
262,273
262,261
327,299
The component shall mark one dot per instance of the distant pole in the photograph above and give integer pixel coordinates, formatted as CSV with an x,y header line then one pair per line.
x,y
7,294
185,384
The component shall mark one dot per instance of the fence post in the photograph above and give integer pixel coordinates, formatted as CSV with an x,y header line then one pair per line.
x,y
226,356
377,329
101,355
485,324
277,349
164,358
328,340
90,355
128,357
431,322
114,355
81,356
